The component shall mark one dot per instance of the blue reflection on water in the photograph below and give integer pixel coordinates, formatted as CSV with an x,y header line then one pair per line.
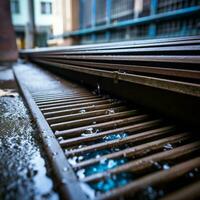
x,y
114,136
104,165
112,181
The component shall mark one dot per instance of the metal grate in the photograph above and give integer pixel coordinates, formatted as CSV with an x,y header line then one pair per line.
x,y
118,149
115,148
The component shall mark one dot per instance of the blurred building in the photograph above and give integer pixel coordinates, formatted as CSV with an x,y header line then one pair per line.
x,y
119,20
32,20
65,19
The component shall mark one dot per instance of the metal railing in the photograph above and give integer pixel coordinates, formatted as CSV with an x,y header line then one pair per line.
x,y
113,20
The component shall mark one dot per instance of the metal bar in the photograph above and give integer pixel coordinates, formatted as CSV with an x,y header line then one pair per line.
x,y
87,108
103,126
139,150
188,192
140,137
130,128
44,97
97,102
153,179
148,161
115,45
141,50
83,115
90,120
70,102
190,59
182,73
61,98
66,100
176,86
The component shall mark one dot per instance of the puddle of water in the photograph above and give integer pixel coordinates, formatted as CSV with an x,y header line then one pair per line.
x,y
104,165
23,172
106,185
115,136
110,182
97,153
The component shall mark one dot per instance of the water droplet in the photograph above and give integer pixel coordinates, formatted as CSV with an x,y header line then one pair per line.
x,y
110,111
73,160
103,160
98,89
191,174
167,147
82,111
111,164
116,149
196,169
81,173
166,166
89,131
60,139
55,153
80,158
63,181
157,165
66,151
65,169
98,156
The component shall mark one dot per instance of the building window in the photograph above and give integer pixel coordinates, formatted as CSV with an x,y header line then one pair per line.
x,y
15,6
46,8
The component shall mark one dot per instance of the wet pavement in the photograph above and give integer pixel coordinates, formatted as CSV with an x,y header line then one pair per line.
x,y
23,171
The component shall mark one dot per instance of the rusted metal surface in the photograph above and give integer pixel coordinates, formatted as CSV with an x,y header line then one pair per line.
x,y
8,47
166,69
185,193
90,130
155,179
161,83
168,65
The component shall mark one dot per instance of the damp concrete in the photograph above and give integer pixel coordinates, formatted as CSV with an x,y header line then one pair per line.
x,y
24,169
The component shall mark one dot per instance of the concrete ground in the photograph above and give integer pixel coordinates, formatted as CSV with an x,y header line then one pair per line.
x,y
24,171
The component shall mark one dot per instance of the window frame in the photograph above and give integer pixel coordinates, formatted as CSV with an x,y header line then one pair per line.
x,y
15,6
45,8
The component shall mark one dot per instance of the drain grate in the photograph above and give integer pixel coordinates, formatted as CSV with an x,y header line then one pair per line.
x,y
117,149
